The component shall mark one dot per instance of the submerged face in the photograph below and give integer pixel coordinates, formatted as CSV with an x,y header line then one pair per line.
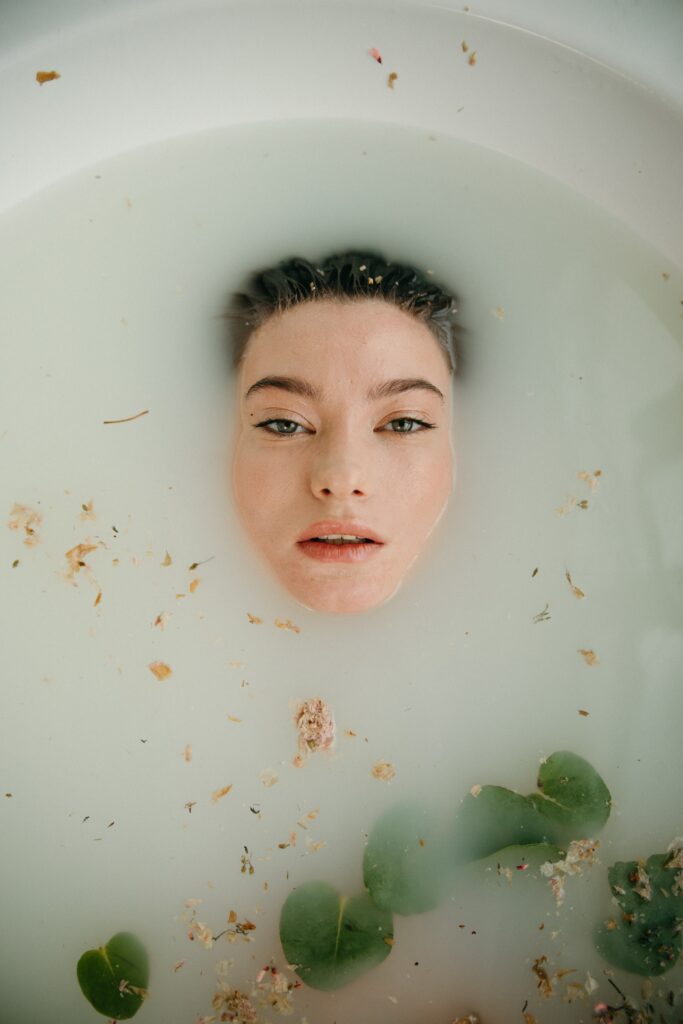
x,y
344,429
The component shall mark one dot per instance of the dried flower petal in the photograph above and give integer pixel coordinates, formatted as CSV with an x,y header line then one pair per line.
x,y
383,770
315,725
46,76
27,519
287,624
160,669
219,793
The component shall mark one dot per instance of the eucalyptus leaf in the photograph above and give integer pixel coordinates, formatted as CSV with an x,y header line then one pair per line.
x,y
530,854
114,978
497,818
573,799
404,864
645,938
573,796
330,939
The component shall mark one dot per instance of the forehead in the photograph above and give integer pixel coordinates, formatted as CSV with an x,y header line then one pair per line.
x,y
333,339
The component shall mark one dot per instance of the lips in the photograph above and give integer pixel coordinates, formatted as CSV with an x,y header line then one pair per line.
x,y
337,527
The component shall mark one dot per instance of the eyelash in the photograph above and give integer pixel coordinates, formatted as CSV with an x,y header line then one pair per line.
x,y
424,425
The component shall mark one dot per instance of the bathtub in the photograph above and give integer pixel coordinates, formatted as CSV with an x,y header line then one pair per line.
x,y
534,153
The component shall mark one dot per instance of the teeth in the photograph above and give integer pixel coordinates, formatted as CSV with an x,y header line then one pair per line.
x,y
340,538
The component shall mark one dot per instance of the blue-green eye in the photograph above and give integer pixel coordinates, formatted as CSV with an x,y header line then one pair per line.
x,y
406,424
285,428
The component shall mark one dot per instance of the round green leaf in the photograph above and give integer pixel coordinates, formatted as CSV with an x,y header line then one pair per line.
x,y
573,799
494,819
331,939
404,866
572,793
531,854
114,978
645,938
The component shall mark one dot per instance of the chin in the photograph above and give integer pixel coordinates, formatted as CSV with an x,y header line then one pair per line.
x,y
339,598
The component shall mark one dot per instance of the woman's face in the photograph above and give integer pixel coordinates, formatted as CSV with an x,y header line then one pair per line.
x,y
333,401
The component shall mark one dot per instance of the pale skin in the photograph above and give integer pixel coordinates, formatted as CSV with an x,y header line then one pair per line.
x,y
342,435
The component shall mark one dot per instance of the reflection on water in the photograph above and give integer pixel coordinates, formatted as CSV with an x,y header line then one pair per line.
x,y
153,672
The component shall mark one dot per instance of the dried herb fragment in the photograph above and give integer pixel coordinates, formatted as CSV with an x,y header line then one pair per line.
x,y
160,669
542,616
128,419
383,770
287,624
46,76
218,794
315,725
576,591
22,517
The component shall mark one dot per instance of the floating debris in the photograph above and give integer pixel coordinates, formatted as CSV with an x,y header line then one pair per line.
x,y
167,560
87,510
464,46
194,584
268,778
128,419
390,82
498,312
315,725
472,58
592,479
254,618
581,853
161,620
47,76
542,616
160,669
375,54
218,794
22,517
383,770
75,558
589,655
576,591
583,712
233,1005
287,624
201,932
245,860
187,753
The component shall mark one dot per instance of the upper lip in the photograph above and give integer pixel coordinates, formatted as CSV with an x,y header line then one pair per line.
x,y
330,526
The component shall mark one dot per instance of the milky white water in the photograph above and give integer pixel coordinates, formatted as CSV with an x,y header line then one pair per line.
x,y
571,362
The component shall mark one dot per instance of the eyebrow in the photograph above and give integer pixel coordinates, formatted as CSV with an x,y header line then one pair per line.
x,y
297,386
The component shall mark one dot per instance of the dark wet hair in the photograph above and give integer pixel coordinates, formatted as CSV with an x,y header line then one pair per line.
x,y
344,276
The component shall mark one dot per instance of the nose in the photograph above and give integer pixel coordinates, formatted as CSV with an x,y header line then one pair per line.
x,y
340,468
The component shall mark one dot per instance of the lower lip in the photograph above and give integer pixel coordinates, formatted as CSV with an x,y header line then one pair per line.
x,y
338,552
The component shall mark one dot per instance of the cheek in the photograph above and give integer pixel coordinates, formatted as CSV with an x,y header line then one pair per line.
x,y
426,481
261,484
